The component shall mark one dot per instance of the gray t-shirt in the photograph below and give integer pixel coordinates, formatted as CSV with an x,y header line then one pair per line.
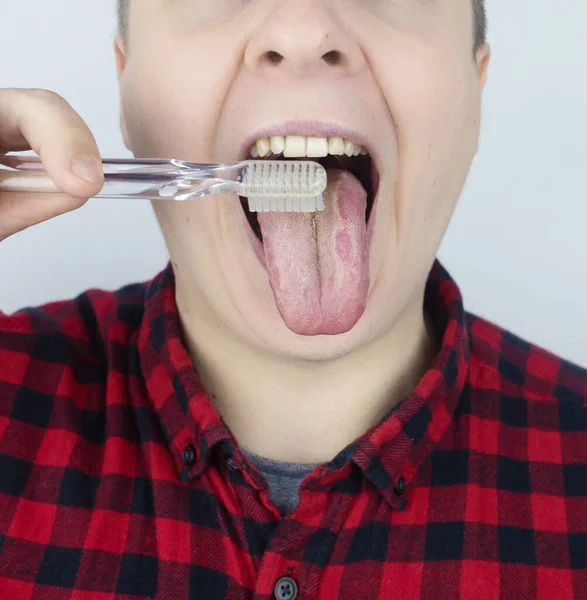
x,y
284,479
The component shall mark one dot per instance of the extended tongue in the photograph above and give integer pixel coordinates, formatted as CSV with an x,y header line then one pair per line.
x,y
318,263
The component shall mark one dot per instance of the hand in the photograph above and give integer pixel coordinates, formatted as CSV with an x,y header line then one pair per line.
x,y
43,121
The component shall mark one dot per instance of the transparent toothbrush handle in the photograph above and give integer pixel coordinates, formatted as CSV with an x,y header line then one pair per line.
x,y
146,179
35,183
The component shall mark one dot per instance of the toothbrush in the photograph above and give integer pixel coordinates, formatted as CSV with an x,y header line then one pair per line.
x,y
280,186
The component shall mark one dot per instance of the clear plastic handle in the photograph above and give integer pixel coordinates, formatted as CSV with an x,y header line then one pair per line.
x,y
269,185
146,179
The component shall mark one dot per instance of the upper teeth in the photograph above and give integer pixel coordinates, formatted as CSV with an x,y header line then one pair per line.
x,y
298,146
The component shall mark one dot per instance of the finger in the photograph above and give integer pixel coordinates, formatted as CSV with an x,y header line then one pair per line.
x,y
46,123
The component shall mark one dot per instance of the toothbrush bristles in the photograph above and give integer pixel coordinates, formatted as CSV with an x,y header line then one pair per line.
x,y
286,204
284,185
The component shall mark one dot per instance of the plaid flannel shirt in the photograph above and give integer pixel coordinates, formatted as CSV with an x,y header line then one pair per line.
x,y
120,480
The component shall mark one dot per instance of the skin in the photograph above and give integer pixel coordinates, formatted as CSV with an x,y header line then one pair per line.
x,y
195,80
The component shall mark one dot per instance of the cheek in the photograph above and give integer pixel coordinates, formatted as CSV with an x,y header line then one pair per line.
x,y
429,97
169,104
434,101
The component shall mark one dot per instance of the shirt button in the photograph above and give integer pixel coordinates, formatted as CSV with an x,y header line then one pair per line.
x,y
188,455
400,486
286,589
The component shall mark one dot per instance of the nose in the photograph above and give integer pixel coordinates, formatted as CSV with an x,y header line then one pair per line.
x,y
303,38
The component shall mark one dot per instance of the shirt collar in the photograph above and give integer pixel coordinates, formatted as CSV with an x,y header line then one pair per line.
x,y
397,447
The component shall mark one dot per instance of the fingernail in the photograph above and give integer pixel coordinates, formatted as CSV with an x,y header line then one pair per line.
x,y
87,168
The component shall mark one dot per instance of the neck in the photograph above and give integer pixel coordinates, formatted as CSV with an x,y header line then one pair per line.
x,y
308,412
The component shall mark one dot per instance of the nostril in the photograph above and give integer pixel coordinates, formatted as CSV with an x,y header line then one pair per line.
x,y
274,57
332,57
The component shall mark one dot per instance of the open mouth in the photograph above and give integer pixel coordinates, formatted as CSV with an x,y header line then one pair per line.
x,y
318,265
361,166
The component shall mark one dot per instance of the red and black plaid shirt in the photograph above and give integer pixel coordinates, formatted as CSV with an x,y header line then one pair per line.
x,y
119,479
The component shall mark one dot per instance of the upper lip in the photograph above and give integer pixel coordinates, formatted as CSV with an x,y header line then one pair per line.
x,y
309,129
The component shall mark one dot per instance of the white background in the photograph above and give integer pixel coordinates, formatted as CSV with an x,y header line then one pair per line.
x,y
516,246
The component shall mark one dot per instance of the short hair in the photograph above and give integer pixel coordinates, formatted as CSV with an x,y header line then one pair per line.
x,y
479,21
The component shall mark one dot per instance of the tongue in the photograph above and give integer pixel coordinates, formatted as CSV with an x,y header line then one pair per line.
x,y
318,263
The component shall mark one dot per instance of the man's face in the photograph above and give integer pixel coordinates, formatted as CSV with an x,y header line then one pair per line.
x,y
201,80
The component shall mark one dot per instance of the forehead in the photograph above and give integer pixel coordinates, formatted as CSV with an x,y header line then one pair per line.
x,y
429,21
124,5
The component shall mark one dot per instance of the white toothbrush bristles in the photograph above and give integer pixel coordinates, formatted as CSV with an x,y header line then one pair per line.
x,y
286,204
284,186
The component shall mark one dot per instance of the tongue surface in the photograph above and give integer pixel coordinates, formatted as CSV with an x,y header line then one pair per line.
x,y
318,263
